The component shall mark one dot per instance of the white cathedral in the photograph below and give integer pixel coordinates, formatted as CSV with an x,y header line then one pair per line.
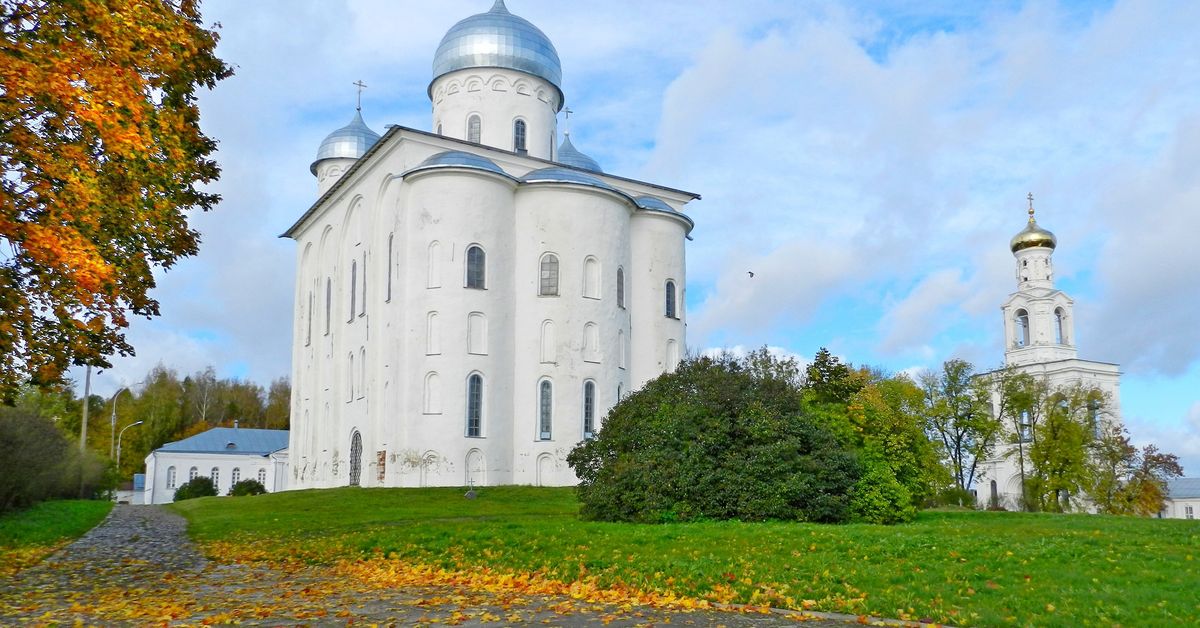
x,y
1039,333
471,301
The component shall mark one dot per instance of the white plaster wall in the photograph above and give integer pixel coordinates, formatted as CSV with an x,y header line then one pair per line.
x,y
657,245
499,97
157,464
1177,508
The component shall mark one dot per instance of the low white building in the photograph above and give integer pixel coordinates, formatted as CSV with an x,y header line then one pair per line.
x,y
225,454
1183,499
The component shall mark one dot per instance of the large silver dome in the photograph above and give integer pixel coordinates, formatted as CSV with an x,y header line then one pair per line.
x,y
458,159
350,142
569,155
498,39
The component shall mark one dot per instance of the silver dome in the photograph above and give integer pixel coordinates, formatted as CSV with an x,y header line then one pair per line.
x,y
569,155
498,39
349,142
459,159
563,175
655,203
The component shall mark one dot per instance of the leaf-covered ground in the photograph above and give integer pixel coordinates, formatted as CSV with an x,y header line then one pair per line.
x,y
28,536
966,568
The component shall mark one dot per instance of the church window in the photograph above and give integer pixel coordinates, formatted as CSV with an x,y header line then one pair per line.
x,y
362,372
476,267
474,129
1022,331
439,128
994,500
621,348
1060,335
433,341
308,333
549,346
477,338
355,458
620,287
435,266
350,379
475,405
589,409
170,477
353,287
1187,512
328,302
672,355
519,136
1026,428
548,276
591,342
391,237
618,393
216,479
362,310
193,473
545,409
433,394
591,278
670,299
235,476
262,477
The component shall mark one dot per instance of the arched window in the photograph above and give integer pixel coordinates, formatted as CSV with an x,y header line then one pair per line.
x,y
216,479
433,341
389,267
477,333
350,379
170,477
262,477
1060,333
589,409
1025,434
591,342
476,265
439,127
235,476
435,266
591,278
328,303
474,129
621,348
362,310
548,276
308,333
433,394
355,458
1022,331
475,405
670,299
549,346
353,287
620,287
362,372
545,409
193,473
519,136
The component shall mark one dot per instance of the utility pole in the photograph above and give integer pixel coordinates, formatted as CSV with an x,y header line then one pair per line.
x,y
87,392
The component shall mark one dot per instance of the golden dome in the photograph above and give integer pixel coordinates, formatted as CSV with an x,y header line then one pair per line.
x,y
1032,235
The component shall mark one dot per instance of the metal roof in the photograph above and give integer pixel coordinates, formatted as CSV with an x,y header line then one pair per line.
x,y
570,156
1183,488
350,142
231,440
564,175
458,159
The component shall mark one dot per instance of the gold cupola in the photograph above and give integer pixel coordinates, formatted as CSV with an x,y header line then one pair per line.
x,y
1032,235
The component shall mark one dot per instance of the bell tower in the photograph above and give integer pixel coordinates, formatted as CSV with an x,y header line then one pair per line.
x,y
1039,322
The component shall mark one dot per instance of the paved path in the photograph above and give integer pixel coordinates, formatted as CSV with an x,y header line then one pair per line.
x,y
138,567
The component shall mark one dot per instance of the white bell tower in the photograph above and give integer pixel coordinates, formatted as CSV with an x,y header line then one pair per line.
x,y
1039,322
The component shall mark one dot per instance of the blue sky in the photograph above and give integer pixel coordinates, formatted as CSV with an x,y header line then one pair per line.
x,y
868,161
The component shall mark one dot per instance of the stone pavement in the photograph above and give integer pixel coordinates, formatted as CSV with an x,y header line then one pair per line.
x,y
138,568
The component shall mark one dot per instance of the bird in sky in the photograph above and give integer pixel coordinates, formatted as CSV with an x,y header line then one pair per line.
x,y
751,273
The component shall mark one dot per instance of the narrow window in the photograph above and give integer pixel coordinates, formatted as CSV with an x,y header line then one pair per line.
x,y
618,393
433,394
362,372
355,459
308,333
1187,512
519,136
235,476
475,405
476,265
477,338
620,287
435,266
548,278
193,473
1059,333
591,342
216,479
328,302
1026,429
439,131
591,278
389,268
473,129
350,379
1022,331
433,344
353,287
621,348
549,345
170,477
670,299
589,409
362,310
262,477
545,409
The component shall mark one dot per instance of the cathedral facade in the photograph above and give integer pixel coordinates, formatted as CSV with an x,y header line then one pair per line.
x,y
472,300
1039,335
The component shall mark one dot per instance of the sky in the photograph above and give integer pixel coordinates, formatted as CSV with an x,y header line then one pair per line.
x,y
868,161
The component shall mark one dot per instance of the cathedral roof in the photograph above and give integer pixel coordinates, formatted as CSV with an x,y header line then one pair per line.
x,y
459,159
654,203
569,155
564,175
1032,235
231,440
498,39
350,142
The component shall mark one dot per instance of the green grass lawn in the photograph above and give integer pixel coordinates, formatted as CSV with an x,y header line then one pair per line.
x,y
26,536
967,568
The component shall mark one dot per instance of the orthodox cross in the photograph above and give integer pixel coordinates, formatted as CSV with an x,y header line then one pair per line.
x,y
568,112
1030,197
361,86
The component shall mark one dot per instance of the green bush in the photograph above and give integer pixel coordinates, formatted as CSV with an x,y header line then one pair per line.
x,y
247,487
720,438
38,462
880,498
954,496
199,486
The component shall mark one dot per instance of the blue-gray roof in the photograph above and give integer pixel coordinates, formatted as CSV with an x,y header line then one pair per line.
x,y
563,175
498,39
1184,488
459,159
231,440
569,155
350,142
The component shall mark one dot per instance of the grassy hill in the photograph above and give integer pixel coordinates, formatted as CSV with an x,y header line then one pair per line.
x,y
27,536
966,568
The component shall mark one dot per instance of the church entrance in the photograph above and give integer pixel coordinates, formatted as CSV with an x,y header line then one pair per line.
x,y
355,459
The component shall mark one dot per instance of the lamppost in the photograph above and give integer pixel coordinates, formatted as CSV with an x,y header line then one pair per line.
x,y
112,419
119,442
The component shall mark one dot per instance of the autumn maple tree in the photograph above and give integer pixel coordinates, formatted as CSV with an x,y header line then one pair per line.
x,y
103,158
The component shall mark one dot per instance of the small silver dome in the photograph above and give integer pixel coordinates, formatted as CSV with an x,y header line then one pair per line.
x,y
459,159
655,203
498,39
569,155
563,175
349,142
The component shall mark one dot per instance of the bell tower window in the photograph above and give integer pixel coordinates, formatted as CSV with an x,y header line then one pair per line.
x,y
1022,328
1060,330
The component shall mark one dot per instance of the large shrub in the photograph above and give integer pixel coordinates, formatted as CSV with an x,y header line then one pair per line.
x,y
199,486
38,462
720,438
880,498
247,487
